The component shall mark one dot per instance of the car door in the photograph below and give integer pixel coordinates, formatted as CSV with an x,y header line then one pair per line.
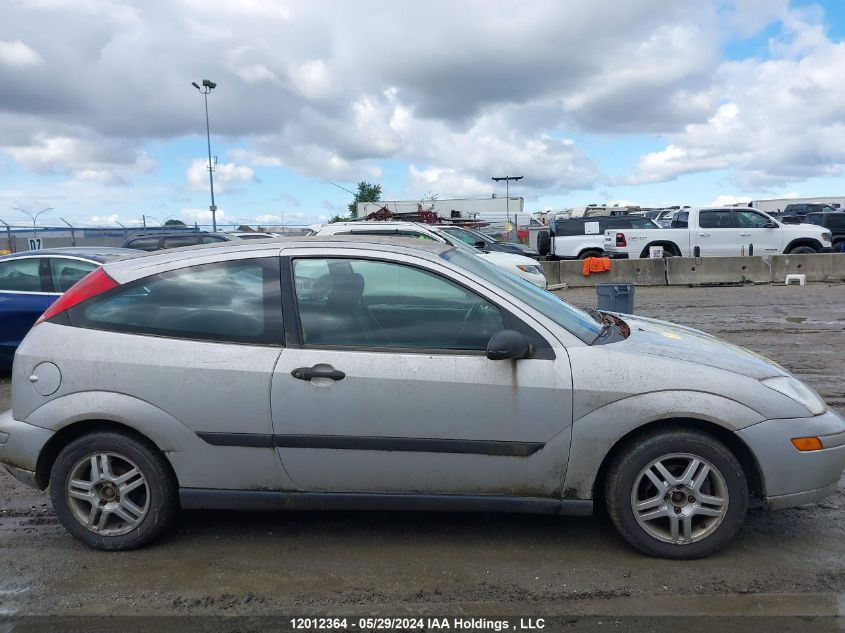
x,y
22,300
717,235
384,385
755,235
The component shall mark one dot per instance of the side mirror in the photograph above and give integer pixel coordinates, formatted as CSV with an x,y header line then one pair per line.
x,y
771,224
480,244
509,345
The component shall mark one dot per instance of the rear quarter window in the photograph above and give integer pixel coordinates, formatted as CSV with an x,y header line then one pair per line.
x,y
235,302
566,228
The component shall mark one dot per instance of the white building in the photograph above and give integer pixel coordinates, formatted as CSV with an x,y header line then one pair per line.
x,y
494,210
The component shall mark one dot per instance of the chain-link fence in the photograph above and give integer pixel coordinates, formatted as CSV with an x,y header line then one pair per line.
x,y
15,238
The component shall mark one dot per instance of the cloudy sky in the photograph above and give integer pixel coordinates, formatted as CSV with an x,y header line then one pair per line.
x,y
651,101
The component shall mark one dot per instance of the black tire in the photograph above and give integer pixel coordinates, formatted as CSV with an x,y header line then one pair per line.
x,y
587,254
626,472
802,250
543,242
838,246
157,495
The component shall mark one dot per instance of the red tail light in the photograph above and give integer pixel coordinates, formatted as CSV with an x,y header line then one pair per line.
x,y
93,284
620,240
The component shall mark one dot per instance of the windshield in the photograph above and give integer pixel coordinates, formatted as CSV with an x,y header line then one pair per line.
x,y
561,312
462,234
454,241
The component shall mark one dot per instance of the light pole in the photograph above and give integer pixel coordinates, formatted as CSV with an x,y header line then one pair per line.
x,y
207,87
507,179
33,218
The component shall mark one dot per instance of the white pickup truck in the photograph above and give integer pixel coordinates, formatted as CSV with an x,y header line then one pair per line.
x,y
719,232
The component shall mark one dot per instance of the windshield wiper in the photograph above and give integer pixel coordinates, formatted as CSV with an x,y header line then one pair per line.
x,y
606,329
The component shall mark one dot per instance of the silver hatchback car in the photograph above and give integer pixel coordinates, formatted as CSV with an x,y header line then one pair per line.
x,y
333,373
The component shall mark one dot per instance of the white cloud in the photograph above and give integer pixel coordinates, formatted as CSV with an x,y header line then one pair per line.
x,y
461,91
729,199
225,175
18,55
782,119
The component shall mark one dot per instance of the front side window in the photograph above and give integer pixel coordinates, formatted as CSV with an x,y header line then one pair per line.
x,y
362,303
66,272
546,303
680,220
715,219
20,275
235,301
751,220
211,239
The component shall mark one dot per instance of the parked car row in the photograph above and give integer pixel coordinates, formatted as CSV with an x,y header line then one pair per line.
x,y
365,371
719,232
687,231
579,238
505,257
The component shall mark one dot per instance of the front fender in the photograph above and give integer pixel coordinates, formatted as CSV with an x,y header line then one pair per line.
x,y
594,434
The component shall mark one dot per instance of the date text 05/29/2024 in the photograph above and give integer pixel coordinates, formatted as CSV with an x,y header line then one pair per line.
x,y
414,623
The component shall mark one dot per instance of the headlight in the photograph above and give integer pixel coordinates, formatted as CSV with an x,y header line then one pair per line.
x,y
825,237
534,270
798,391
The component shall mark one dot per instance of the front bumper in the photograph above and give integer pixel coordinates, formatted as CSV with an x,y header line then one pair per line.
x,y
20,446
792,477
826,249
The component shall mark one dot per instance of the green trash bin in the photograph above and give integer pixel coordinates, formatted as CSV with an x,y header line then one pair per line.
x,y
616,298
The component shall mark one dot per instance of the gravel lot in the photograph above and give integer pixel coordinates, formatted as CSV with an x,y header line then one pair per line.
x,y
790,563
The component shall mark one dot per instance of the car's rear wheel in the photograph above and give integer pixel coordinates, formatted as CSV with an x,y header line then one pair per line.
x,y
677,494
587,254
112,491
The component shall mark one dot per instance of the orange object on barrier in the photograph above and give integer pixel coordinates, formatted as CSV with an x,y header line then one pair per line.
x,y
596,265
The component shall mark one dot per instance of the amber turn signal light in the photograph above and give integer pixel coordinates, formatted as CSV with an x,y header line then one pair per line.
x,y
807,443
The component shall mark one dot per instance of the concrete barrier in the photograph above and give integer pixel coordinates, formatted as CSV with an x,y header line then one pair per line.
x,y
641,272
552,271
703,271
820,267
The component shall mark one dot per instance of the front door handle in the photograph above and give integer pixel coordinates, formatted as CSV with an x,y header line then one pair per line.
x,y
745,234
307,373
704,235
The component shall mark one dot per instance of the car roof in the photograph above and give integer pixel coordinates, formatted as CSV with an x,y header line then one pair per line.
x,y
264,248
98,254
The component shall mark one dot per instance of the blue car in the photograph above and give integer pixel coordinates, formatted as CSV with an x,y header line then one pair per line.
x,y
30,281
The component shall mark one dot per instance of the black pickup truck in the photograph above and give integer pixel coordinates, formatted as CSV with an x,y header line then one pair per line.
x,y
835,222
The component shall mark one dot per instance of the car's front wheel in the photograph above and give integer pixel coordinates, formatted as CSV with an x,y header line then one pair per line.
x,y
676,494
113,491
802,250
